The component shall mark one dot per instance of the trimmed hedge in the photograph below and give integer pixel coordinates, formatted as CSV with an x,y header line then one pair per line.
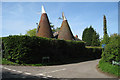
x,y
94,52
26,49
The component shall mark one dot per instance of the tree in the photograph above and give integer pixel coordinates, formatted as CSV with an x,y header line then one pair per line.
x,y
90,37
105,39
52,27
105,25
57,29
105,36
95,39
31,32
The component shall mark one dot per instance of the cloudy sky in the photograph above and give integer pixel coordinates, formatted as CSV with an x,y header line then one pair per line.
x,y
18,17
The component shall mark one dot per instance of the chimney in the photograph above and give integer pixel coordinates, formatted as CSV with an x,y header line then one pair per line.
x,y
76,36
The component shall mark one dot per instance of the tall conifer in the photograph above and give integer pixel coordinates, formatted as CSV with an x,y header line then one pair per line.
x,y
105,25
105,37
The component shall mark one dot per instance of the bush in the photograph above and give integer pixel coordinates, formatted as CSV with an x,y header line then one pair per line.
x,y
111,51
29,50
109,54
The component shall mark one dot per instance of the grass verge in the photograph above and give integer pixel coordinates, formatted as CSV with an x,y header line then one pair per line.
x,y
93,47
7,62
109,68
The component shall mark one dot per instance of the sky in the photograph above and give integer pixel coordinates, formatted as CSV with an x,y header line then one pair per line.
x,y
19,17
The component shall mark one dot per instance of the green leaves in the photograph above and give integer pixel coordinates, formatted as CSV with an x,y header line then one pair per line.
x,y
26,49
31,32
107,67
111,51
91,37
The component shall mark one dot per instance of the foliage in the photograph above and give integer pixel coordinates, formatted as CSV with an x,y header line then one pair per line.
x,y
0,46
94,47
52,27
90,37
56,29
109,54
95,39
107,67
105,25
7,62
95,52
31,32
111,51
105,37
31,50
25,49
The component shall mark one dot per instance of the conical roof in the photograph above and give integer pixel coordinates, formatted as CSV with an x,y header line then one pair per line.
x,y
65,31
44,29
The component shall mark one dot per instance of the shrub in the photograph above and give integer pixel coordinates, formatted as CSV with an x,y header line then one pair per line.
x,y
109,54
111,51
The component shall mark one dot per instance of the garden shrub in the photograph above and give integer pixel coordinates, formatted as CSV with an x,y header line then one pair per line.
x,y
28,50
111,51
109,54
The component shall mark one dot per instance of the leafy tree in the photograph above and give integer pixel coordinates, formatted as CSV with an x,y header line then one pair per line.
x,y
57,29
52,27
90,37
95,39
31,32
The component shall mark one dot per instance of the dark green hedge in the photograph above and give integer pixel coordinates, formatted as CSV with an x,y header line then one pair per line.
x,y
26,49
94,52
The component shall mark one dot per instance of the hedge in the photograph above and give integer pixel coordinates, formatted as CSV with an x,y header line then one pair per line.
x,y
94,52
26,49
